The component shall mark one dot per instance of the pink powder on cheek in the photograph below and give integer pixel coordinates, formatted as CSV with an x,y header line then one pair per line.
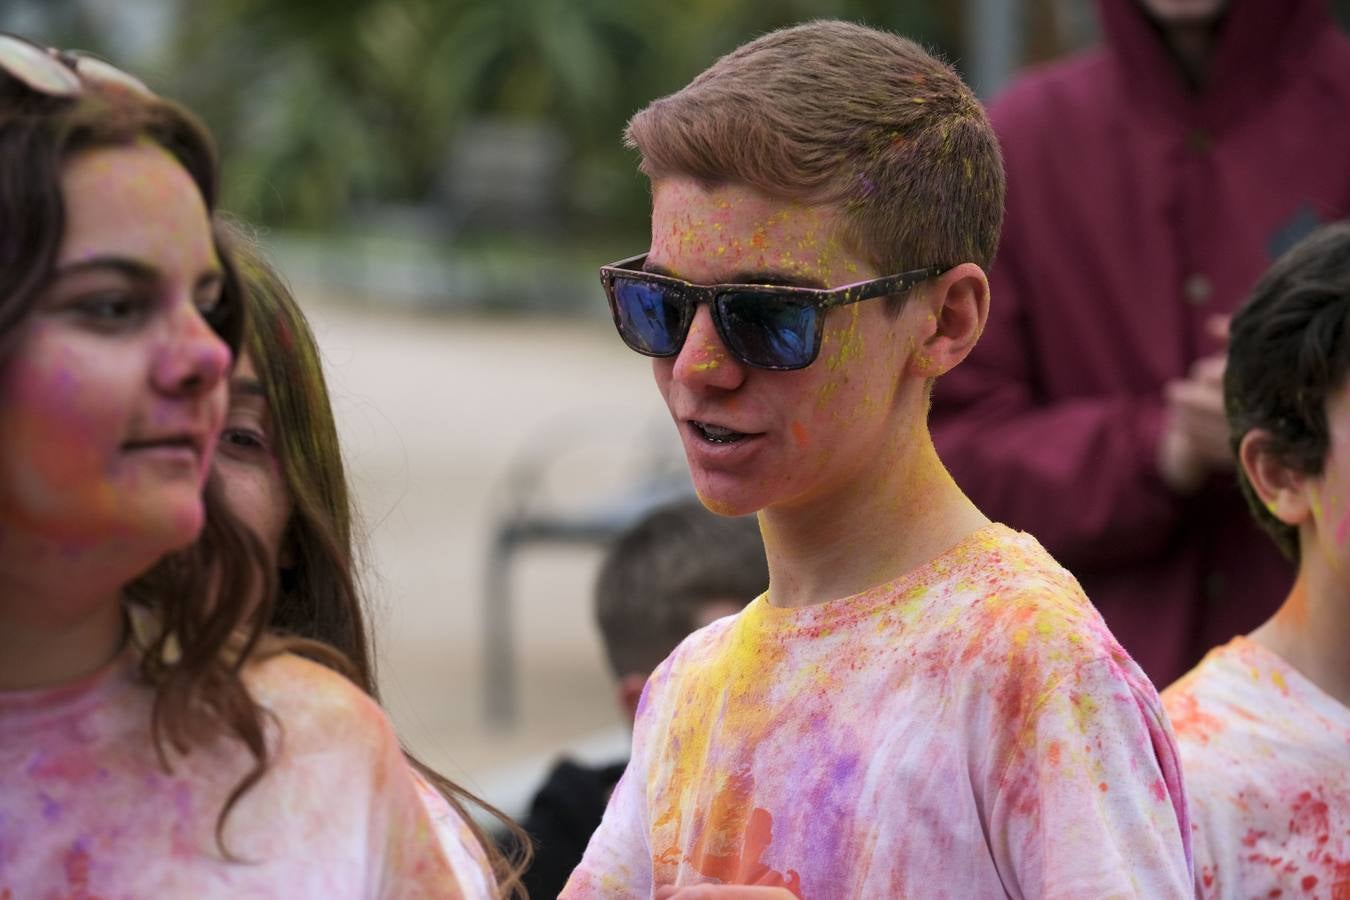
x,y
1343,529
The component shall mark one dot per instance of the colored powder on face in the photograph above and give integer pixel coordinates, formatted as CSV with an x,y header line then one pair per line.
x,y
799,434
1343,529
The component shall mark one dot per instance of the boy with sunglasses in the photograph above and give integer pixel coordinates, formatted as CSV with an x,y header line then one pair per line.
x,y
924,703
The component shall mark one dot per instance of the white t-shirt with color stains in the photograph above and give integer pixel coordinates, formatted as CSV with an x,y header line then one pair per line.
x,y
1266,757
86,809
970,730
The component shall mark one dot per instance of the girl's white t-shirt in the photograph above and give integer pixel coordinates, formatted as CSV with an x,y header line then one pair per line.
x,y
88,810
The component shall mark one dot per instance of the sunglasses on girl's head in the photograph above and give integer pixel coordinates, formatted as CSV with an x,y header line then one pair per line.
x,y
60,73
764,326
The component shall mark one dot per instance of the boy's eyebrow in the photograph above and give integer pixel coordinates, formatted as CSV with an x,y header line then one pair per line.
x,y
768,277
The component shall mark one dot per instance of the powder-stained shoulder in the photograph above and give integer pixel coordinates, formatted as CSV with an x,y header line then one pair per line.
x,y
1266,756
337,813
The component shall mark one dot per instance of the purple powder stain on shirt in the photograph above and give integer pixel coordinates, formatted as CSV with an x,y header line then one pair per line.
x,y
51,810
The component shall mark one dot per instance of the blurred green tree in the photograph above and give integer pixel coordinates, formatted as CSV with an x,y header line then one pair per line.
x,y
323,106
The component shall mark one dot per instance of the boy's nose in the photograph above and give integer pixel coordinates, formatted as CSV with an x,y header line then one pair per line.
x,y
704,361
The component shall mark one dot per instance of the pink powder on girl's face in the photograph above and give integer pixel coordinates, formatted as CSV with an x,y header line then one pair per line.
x,y
112,401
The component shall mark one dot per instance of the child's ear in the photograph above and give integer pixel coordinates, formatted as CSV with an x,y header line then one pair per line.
x,y
1285,492
955,307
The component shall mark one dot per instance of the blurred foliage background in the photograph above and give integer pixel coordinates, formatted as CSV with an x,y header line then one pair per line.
x,y
476,139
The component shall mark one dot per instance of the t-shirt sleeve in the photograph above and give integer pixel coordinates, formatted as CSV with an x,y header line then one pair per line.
x,y
409,857
618,860
461,847
1088,800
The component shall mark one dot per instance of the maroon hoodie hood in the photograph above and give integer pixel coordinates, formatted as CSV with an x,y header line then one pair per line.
x,y
1257,41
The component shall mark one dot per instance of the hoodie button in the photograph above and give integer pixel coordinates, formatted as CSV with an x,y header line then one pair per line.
x,y
1197,290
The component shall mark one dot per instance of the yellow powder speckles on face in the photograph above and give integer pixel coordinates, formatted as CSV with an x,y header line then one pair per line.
x,y
827,391
849,344
706,366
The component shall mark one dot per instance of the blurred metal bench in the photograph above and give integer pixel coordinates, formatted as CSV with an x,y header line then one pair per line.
x,y
659,477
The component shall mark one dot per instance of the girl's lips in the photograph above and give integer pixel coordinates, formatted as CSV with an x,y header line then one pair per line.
x,y
177,449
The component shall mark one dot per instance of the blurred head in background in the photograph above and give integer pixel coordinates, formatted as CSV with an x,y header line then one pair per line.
x,y
678,569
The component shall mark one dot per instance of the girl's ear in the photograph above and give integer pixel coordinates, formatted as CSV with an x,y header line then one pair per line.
x,y
1286,492
956,306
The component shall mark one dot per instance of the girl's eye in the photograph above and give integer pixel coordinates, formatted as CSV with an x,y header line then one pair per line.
x,y
212,307
110,308
243,439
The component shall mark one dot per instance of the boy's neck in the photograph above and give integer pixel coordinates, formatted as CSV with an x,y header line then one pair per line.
x,y
896,515
61,615
1311,631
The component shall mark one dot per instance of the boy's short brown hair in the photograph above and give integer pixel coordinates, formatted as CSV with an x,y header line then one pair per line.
x,y
836,113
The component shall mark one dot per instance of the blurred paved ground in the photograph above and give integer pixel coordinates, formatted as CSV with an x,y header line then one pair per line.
x,y
432,412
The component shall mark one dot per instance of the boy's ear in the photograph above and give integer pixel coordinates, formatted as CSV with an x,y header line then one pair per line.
x,y
630,693
955,306
1284,491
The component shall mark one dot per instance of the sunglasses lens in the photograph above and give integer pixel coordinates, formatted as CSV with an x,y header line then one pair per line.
x,y
650,317
769,330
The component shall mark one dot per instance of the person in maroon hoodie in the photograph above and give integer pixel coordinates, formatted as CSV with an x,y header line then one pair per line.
x,y
1150,182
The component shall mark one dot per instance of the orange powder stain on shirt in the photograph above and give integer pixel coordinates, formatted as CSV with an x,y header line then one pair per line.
x,y
1188,719
713,854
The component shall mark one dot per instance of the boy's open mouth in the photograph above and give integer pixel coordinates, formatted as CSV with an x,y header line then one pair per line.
x,y
716,434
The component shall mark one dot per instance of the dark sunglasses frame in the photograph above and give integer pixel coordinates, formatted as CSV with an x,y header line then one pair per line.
x,y
688,295
60,73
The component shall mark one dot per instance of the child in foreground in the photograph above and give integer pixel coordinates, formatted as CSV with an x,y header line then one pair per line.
x,y
924,703
1263,723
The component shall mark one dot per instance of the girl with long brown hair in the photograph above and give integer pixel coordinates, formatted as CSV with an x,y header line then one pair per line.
x,y
155,739
281,469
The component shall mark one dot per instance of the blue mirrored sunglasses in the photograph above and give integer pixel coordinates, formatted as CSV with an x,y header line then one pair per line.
x,y
764,326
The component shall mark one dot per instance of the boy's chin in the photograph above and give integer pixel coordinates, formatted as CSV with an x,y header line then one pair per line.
x,y
718,499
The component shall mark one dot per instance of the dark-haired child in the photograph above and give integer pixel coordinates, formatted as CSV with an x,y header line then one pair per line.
x,y
1263,723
